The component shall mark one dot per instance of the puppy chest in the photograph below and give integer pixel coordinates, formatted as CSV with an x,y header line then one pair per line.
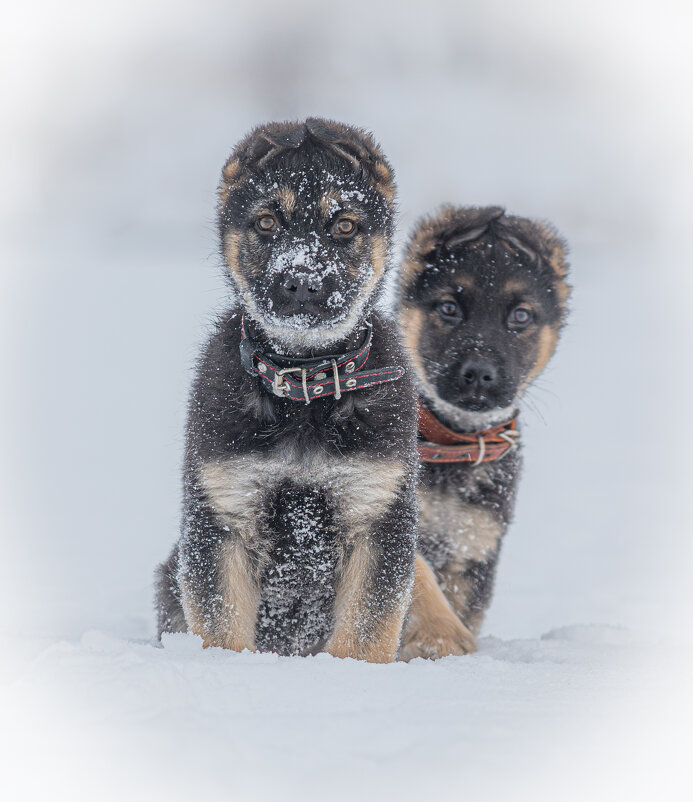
x,y
298,517
243,490
452,530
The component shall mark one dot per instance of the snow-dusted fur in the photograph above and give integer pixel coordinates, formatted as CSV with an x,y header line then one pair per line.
x,y
299,520
482,298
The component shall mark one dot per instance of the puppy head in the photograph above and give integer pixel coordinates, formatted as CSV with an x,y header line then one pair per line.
x,y
482,298
305,219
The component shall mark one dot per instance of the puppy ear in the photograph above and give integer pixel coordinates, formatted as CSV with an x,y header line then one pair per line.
x,y
358,148
468,224
260,146
263,148
538,238
268,141
444,230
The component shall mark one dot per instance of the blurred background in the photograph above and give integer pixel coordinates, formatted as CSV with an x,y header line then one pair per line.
x,y
117,118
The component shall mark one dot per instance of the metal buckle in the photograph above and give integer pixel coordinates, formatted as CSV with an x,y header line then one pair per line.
x,y
335,373
280,386
511,437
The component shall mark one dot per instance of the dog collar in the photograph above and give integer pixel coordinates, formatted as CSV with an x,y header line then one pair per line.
x,y
445,445
308,379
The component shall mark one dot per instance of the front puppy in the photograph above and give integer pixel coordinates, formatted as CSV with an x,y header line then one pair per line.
x,y
299,511
482,298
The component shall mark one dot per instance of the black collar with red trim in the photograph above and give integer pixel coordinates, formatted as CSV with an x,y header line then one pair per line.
x,y
308,379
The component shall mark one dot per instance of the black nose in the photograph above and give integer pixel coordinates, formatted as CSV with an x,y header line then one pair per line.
x,y
298,290
478,374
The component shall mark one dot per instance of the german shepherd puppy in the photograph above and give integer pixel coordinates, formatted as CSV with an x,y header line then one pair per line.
x,y
299,510
482,298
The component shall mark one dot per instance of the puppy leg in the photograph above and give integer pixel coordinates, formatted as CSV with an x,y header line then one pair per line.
x,y
432,629
169,611
219,583
468,588
374,588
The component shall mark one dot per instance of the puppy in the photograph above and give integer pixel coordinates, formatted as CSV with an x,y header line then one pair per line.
x,y
482,298
299,511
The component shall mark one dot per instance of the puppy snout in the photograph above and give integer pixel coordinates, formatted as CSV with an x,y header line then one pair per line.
x,y
299,290
478,375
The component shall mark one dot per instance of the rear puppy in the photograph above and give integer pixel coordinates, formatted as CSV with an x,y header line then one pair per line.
x,y
299,510
482,298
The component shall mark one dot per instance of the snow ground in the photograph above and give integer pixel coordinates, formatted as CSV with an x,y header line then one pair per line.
x,y
185,722
120,120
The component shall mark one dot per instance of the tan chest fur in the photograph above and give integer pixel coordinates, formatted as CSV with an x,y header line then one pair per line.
x,y
359,489
466,532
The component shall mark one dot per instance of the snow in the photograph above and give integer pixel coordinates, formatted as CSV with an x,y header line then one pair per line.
x,y
119,121
270,727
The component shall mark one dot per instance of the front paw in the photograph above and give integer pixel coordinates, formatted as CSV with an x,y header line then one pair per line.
x,y
382,651
440,638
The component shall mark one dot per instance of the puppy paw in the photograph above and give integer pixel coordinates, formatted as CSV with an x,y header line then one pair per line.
x,y
441,638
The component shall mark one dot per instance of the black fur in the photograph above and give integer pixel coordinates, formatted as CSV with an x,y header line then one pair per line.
x,y
465,273
267,480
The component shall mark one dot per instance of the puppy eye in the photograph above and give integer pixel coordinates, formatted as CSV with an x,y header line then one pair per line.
x,y
449,309
344,227
520,317
266,223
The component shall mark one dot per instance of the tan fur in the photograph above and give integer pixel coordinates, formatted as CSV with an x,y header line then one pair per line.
x,y
473,532
385,183
379,254
358,632
241,596
232,245
411,322
287,201
235,493
515,286
410,268
365,490
328,201
432,630
383,649
457,590
548,337
361,488
556,251
346,636
466,282
555,256
230,175
235,627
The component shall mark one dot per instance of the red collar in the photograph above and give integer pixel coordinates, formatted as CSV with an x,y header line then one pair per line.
x,y
445,445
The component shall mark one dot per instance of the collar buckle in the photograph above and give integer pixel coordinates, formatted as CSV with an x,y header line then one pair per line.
x,y
274,378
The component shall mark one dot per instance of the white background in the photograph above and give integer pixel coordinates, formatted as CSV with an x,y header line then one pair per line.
x,y
117,118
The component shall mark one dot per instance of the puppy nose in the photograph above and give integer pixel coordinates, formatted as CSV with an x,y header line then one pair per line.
x,y
478,374
299,290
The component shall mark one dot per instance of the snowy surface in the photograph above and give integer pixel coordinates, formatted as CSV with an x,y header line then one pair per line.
x,y
511,720
120,118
